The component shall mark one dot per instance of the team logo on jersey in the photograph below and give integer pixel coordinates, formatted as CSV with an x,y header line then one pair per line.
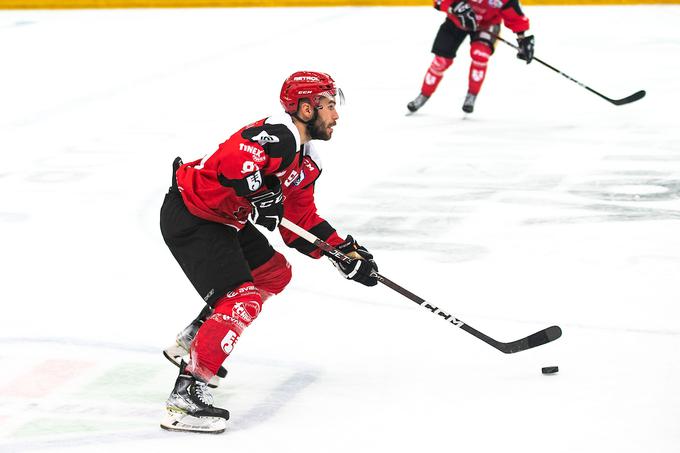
x,y
495,3
254,181
291,177
263,138
299,179
241,214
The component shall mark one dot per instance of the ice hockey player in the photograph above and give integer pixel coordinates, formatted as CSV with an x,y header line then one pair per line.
x,y
208,221
481,19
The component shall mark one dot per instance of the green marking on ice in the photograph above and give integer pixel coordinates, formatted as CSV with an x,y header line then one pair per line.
x,y
127,383
51,426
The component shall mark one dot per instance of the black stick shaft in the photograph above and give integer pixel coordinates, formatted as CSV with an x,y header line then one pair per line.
x,y
627,100
536,339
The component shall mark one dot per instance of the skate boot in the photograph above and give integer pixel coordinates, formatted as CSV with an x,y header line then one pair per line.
x,y
189,407
418,102
469,104
180,351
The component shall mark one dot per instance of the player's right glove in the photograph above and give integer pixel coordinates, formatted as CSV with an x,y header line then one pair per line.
x,y
268,206
465,15
362,268
526,48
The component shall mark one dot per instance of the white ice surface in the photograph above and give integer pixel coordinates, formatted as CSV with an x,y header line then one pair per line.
x,y
546,206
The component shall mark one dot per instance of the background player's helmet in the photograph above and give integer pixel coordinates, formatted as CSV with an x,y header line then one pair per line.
x,y
307,85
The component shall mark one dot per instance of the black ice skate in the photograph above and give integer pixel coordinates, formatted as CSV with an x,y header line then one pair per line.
x,y
469,104
180,351
418,102
189,407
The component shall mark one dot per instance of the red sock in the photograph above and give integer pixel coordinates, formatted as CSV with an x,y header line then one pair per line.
x,y
480,54
219,333
434,74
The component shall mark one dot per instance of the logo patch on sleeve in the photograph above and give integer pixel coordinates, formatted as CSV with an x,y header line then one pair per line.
x,y
254,181
299,179
263,138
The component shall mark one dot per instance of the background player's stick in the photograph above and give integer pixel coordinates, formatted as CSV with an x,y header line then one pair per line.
x,y
537,339
627,100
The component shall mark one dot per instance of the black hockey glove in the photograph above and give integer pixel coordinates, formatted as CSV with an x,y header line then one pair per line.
x,y
362,268
268,206
465,15
526,48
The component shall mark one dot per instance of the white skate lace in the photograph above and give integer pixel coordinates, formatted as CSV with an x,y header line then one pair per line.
x,y
202,393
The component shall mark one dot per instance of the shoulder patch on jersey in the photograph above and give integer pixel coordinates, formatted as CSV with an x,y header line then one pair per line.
x,y
263,138
276,139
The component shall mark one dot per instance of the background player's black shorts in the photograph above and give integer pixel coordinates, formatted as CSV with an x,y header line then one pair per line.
x,y
449,38
216,258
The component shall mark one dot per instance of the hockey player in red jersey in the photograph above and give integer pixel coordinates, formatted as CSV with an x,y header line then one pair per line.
x,y
481,19
208,221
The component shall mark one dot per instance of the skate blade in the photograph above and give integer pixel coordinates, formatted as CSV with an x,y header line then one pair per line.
x,y
175,354
214,382
174,421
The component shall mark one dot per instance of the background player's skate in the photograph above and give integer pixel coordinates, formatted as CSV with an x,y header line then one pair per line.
x,y
417,103
469,103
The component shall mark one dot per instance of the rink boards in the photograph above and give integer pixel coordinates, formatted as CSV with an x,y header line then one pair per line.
x,y
65,4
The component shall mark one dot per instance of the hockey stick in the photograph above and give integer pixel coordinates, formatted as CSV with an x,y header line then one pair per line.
x,y
537,339
627,100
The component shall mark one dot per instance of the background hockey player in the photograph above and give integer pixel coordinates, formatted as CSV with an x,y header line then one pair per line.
x,y
481,20
207,220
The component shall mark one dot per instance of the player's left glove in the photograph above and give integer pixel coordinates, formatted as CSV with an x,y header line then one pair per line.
x,y
526,48
362,268
465,15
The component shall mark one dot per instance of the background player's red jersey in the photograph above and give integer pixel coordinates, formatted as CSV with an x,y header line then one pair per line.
x,y
491,12
216,187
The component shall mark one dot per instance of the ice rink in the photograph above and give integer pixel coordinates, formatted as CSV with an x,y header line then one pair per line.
x,y
546,206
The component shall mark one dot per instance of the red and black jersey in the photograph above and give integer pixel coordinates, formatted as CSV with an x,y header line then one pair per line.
x,y
491,12
217,187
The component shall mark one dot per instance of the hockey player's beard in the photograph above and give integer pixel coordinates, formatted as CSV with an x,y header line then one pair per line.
x,y
318,130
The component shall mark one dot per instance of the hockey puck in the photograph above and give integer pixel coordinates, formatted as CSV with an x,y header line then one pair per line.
x,y
549,369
